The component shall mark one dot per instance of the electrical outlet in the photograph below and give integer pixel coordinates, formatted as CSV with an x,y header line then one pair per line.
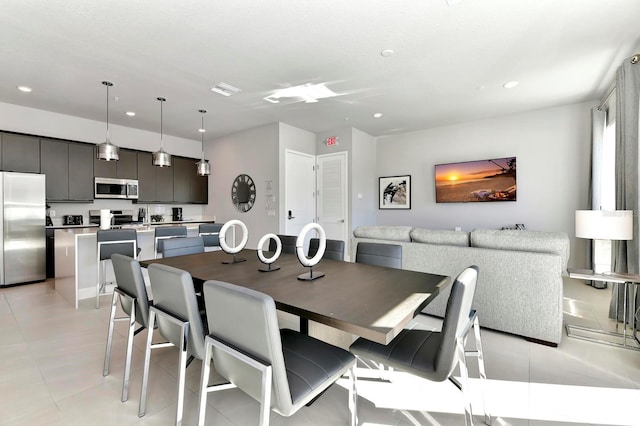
x,y
458,228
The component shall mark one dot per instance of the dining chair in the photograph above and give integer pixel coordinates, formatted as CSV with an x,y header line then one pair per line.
x,y
288,244
378,254
181,246
176,314
110,241
282,369
210,232
334,249
131,294
434,355
162,233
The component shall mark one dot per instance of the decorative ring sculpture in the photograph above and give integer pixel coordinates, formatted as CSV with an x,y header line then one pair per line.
x,y
270,260
306,261
222,237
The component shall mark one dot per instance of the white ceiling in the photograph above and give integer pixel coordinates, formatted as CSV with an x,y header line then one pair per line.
x,y
449,65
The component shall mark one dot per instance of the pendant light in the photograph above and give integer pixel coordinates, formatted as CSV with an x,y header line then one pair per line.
x,y
106,150
161,158
203,168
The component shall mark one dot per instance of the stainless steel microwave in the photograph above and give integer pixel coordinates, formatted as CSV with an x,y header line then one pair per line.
x,y
116,188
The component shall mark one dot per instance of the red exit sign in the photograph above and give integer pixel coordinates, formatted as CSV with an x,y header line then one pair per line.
x,y
331,141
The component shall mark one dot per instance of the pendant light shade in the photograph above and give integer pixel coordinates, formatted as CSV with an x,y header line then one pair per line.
x,y
161,158
203,168
106,150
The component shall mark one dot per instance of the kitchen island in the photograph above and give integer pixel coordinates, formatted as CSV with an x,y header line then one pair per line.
x,y
76,270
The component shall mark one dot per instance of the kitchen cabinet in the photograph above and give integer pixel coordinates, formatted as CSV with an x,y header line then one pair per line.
x,y
125,168
164,184
155,184
69,170
199,188
20,153
182,171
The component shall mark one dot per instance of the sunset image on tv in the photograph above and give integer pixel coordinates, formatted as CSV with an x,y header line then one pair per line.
x,y
472,181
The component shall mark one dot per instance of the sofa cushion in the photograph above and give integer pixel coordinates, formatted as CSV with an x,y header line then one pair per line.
x,y
440,236
534,241
392,233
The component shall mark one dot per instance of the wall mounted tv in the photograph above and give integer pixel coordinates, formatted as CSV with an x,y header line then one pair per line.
x,y
476,181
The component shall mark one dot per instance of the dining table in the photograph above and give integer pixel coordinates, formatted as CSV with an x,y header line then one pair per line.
x,y
369,301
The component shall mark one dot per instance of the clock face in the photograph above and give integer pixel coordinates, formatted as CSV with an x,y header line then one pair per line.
x,y
243,193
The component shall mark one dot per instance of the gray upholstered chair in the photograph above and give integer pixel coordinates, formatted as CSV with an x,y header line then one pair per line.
x,y
388,255
334,249
434,355
288,244
282,369
210,233
110,241
131,292
176,314
161,233
181,246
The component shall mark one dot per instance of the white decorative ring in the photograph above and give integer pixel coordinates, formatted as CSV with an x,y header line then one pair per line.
x,y
222,236
304,260
278,248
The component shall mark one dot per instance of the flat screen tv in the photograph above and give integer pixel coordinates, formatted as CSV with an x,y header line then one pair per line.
x,y
476,181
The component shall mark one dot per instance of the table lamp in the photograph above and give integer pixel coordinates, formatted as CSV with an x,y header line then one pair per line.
x,y
604,225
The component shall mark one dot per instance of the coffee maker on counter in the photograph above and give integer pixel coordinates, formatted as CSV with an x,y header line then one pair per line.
x,y
176,214
142,215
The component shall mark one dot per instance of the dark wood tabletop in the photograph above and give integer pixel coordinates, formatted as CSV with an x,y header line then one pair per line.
x,y
369,301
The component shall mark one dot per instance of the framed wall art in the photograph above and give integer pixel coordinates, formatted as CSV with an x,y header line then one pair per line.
x,y
394,192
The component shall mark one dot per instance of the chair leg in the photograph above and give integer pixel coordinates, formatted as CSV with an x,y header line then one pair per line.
x,y
127,362
204,382
353,396
464,379
184,337
99,283
483,375
107,352
147,359
265,404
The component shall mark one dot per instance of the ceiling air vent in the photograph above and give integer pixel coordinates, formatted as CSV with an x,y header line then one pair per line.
x,y
225,89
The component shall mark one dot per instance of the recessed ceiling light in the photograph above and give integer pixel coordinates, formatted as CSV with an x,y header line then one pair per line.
x,y
25,89
225,89
510,84
387,52
130,113
202,130
377,115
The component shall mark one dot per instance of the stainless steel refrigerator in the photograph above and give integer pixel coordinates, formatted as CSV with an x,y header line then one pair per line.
x,y
22,214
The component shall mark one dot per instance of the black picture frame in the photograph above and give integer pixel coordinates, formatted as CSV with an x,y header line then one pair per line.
x,y
394,192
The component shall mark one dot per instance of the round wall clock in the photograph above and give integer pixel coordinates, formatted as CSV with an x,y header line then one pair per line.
x,y
243,193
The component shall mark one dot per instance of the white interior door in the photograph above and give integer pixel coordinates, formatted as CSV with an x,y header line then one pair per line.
x,y
332,195
299,191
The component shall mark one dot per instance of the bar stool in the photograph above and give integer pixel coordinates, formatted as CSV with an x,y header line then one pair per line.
x,y
111,241
210,233
164,232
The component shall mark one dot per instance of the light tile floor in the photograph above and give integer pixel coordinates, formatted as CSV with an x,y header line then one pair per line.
x,y
51,374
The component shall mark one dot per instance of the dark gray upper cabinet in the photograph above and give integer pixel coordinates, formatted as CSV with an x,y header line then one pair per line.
x,y
182,171
69,170
104,168
20,153
199,188
146,178
81,171
125,168
164,184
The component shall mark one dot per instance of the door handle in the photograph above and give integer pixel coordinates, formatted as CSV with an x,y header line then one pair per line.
x,y
289,216
341,221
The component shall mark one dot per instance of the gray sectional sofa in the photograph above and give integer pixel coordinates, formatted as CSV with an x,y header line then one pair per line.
x,y
520,282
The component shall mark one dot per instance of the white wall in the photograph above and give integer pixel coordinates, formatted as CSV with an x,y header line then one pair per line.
x,y
552,147
14,118
363,180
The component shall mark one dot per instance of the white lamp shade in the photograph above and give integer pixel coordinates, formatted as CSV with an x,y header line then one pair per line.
x,y
604,224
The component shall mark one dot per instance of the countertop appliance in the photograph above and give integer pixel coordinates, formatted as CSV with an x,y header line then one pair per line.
x,y
176,214
23,240
120,217
72,219
116,188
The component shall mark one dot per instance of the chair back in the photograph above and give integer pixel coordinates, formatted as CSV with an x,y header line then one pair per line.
x,y
173,293
388,255
210,233
161,233
129,280
334,249
288,244
247,320
110,241
181,246
459,308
